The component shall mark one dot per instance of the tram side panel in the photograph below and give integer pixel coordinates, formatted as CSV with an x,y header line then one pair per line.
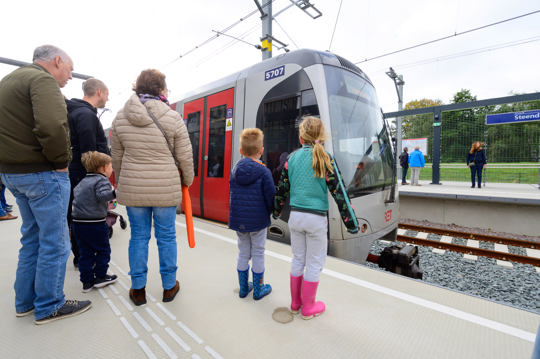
x,y
209,120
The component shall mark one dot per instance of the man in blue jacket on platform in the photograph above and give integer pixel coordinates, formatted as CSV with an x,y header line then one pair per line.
x,y
416,161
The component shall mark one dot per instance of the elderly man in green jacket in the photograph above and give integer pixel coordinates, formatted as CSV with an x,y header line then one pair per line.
x,y
34,156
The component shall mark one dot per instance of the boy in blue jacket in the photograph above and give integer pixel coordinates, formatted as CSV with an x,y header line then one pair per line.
x,y
89,211
251,200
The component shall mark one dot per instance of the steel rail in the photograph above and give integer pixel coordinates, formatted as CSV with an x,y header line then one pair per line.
x,y
468,235
471,250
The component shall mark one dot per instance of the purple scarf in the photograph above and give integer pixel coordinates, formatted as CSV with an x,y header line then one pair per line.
x,y
146,97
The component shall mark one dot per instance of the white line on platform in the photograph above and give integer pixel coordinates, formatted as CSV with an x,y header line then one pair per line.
x,y
164,346
142,322
113,307
177,339
190,332
103,294
146,350
212,352
113,288
151,297
503,328
125,302
121,270
129,328
154,316
123,284
166,311
195,356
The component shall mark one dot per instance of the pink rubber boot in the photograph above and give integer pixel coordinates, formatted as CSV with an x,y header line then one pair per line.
x,y
310,308
296,292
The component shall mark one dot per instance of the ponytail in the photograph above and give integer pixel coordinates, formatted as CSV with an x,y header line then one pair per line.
x,y
321,161
312,133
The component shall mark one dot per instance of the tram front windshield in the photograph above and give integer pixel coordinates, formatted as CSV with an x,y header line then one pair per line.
x,y
360,140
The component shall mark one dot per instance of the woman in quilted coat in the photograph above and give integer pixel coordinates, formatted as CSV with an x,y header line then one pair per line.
x,y
149,184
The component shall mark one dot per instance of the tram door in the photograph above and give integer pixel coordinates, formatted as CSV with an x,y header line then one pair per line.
x,y
209,123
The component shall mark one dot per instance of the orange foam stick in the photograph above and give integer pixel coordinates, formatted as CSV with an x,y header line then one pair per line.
x,y
186,201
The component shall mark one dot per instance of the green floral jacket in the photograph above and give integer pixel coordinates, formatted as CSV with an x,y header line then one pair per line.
x,y
336,188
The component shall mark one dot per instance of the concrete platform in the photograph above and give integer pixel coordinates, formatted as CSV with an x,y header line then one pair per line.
x,y
501,207
370,314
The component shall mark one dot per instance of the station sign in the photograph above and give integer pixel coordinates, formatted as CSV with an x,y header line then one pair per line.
x,y
512,117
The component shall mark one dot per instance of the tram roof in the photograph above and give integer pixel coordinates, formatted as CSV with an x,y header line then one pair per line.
x,y
302,57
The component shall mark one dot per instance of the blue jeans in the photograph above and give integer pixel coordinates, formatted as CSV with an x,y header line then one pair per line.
x,y
477,170
94,249
140,221
404,174
42,199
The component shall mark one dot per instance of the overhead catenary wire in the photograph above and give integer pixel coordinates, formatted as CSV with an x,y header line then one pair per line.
x,y
224,30
447,37
335,25
285,32
468,52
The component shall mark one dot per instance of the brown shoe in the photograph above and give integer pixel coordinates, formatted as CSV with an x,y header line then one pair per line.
x,y
138,296
8,216
169,294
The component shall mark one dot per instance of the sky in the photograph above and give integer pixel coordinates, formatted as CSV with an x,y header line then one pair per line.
x,y
115,40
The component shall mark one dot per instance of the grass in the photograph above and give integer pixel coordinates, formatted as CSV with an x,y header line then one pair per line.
x,y
497,173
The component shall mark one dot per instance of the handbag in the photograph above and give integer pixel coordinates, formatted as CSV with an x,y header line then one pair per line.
x,y
167,140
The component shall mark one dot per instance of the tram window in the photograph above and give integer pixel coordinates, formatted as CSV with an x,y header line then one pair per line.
x,y
309,103
194,127
280,128
216,141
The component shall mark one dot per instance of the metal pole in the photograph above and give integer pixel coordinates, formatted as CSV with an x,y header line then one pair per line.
x,y
267,30
436,151
398,83
7,61
399,128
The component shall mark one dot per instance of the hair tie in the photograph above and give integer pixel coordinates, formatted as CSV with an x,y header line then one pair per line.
x,y
316,141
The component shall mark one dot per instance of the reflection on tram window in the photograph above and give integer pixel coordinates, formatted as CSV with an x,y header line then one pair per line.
x,y
280,127
361,143
193,124
216,138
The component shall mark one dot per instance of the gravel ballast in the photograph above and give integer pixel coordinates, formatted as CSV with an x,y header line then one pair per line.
x,y
518,286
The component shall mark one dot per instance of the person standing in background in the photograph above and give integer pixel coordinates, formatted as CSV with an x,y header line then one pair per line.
x,y
149,184
416,161
86,134
404,162
34,156
476,161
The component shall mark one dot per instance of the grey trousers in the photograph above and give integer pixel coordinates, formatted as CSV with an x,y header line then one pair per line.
x,y
415,175
251,246
309,242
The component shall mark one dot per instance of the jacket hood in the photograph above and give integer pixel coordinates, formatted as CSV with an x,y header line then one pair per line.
x,y
136,112
75,103
247,171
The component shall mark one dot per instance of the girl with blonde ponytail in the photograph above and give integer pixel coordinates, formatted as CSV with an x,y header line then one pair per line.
x,y
309,173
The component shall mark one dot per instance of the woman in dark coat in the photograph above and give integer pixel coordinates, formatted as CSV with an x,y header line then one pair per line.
x,y
476,160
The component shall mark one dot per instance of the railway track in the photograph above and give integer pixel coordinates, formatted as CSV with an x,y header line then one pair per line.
x,y
471,250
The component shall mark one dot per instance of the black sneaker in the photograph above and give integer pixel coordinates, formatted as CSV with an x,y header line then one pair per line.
x,y
25,313
69,309
102,282
87,287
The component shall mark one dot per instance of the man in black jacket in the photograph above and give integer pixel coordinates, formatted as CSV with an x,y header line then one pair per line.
x,y
404,162
86,134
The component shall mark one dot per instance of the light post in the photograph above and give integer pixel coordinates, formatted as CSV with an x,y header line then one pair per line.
x,y
398,82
